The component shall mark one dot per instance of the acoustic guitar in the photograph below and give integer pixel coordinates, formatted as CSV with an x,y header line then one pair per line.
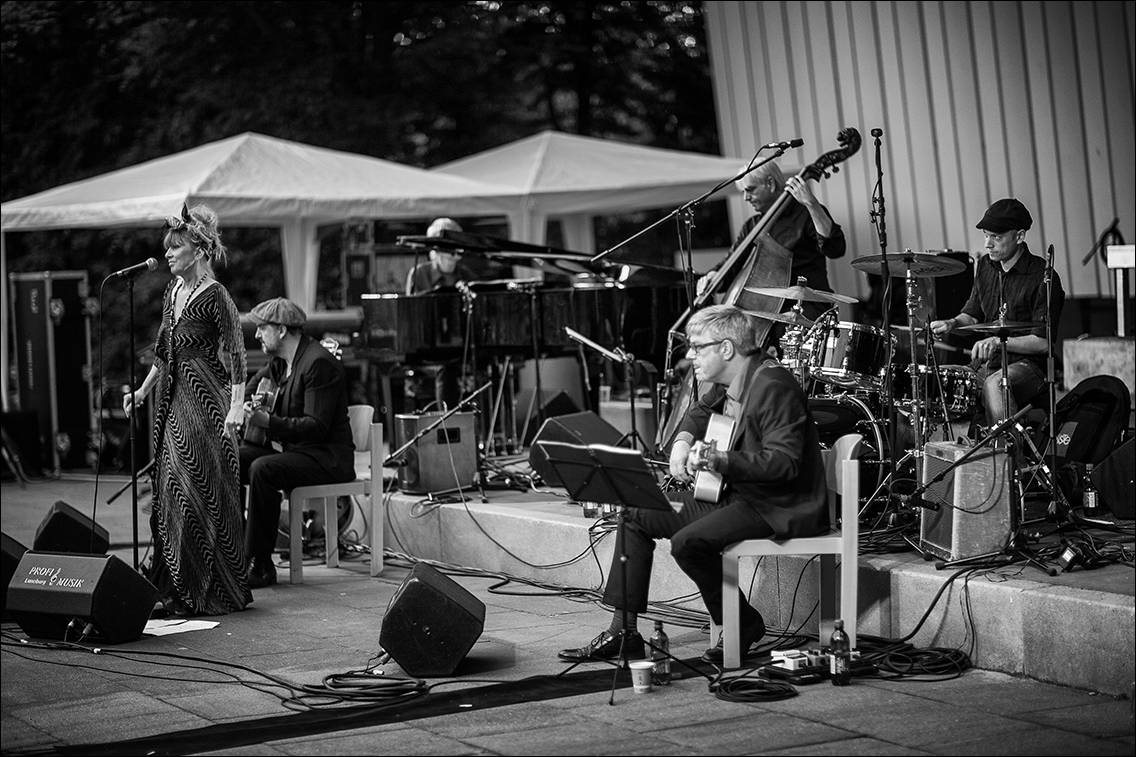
x,y
709,485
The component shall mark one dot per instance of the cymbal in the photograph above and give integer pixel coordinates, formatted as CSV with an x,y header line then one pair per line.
x,y
791,317
1002,328
921,264
801,293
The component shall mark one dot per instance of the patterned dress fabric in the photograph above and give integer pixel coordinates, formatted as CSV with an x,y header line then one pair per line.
x,y
197,495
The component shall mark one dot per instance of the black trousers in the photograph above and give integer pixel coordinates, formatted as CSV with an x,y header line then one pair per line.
x,y
268,474
698,533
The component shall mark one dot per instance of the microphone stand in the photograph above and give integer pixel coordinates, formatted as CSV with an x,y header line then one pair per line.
x,y
133,425
1051,382
879,220
628,360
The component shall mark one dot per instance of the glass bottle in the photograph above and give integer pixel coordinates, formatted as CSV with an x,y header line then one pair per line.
x,y
1091,500
840,656
660,655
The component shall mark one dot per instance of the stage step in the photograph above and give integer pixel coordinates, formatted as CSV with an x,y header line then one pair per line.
x,y
1074,629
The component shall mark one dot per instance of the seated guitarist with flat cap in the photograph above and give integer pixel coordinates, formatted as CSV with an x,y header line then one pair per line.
x,y
774,477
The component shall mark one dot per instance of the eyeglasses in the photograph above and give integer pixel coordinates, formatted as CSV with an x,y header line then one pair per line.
x,y
697,347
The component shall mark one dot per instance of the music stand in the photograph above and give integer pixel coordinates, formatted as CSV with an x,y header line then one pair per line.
x,y
608,475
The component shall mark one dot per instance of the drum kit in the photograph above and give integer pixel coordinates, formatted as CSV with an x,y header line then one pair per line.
x,y
852,385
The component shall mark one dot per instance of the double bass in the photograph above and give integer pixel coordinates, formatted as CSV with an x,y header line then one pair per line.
x,y
769,265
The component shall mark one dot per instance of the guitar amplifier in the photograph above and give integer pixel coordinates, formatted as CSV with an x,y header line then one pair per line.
x,y
444,459
975,515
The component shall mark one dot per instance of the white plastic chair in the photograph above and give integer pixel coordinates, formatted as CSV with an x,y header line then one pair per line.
x,y
368,438
843,473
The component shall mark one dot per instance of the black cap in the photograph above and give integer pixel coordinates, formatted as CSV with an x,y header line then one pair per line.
x,y
1006,215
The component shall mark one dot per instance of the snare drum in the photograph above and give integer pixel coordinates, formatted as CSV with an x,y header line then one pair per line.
x,y
848,354
959,384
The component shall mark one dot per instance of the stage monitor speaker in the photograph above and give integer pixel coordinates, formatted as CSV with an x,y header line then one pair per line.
x,y
553,402
577,428
975,514
57,596
13,552
431,623
65,529
1113,478
445,459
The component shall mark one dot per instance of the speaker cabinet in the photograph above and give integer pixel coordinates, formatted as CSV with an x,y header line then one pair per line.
x,y
431,623
576,428
55,596
553,403
13,552
1113,478
442,460
975,514
65,529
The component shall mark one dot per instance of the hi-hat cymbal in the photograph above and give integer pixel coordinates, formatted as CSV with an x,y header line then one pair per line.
x,y
791,317
1002,328
801,293
920,264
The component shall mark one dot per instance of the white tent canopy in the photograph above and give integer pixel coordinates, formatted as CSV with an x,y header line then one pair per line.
x,y
254,180
573,178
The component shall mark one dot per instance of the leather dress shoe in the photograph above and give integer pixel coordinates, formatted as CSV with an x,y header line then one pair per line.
x,y
606,647
261,574
749,636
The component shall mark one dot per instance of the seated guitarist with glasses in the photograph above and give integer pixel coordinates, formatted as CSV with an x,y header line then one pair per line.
x,y
770,467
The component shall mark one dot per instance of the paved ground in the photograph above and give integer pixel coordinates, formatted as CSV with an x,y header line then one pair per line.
x,y
258,683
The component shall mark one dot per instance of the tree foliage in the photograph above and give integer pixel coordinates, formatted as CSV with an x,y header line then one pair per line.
x,y
93,86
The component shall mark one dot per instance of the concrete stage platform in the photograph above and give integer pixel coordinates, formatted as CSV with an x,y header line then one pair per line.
x,y
1075,628
506,697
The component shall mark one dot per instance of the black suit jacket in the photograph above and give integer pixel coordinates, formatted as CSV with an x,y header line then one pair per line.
x,y
775,463
310,414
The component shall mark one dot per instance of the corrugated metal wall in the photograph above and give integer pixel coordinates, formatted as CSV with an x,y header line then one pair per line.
x,y
976,100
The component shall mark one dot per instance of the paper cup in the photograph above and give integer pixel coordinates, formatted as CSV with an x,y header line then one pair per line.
x,y
641,675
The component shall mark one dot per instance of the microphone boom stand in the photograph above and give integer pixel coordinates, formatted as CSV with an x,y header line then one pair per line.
x,y
628,360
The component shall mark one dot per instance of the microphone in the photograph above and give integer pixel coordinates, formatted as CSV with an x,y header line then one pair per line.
x,y
877,133
150,264
783,145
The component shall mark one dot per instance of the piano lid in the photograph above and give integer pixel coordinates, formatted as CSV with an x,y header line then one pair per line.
x,y
508,250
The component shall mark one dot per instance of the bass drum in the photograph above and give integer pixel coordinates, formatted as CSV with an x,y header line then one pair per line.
x,y
841,414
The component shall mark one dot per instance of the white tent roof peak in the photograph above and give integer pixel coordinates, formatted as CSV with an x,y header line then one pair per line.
x,y
553,162
255,179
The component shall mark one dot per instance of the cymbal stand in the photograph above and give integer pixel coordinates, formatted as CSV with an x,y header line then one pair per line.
x,y
879,220
918,387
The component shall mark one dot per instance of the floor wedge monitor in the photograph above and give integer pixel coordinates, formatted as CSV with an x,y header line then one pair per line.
x,y
67,597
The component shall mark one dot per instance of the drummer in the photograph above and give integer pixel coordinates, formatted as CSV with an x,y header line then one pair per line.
x,y
443,269
1012,276
804,228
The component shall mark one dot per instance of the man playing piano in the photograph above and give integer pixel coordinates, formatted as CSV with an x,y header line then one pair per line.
x,y
443,269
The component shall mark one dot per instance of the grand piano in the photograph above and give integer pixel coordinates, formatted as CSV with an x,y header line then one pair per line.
x,y
483,323
525,317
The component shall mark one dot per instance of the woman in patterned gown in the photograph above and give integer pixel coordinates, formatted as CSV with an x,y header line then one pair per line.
x,y
198,565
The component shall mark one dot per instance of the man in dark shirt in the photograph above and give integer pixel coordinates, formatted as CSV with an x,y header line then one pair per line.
x,y
443,269
1009,282
305,429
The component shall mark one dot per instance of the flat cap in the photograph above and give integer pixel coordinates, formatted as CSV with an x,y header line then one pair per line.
x,y
1005,215
280,311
